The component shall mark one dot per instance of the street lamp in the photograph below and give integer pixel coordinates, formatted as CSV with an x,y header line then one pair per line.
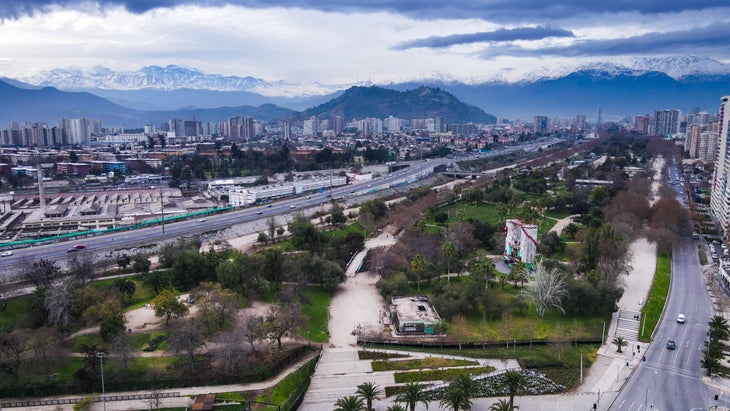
x,y
100,356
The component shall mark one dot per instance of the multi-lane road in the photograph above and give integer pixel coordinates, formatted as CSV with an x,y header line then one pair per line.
x,y
672,379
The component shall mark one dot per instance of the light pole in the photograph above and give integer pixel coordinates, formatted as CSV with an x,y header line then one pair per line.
x,y
100,356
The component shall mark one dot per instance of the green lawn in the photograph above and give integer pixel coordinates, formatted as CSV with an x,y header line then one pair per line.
x,y
317,313
440,374
657,297
428,362
15,309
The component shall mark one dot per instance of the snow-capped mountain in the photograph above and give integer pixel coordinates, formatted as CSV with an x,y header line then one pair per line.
x,y
174,77
169,78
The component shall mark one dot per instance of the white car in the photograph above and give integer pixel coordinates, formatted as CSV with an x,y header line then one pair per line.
x,y
680,318
6,253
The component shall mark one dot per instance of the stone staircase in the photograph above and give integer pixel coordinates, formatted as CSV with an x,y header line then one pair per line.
x,y
628,325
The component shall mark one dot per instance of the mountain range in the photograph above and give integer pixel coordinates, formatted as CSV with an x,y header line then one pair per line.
x,y
627,88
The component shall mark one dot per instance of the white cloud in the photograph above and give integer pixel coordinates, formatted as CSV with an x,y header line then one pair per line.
x,y
293,45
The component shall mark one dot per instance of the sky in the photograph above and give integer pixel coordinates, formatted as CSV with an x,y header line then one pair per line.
x,y
354,41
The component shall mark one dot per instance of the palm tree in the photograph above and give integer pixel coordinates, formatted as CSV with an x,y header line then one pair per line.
x,y
514,381
454,400
468,387
124,286
502,405
349,403
395,407
418,265
620,342
448,249
155,281
369,392
411,394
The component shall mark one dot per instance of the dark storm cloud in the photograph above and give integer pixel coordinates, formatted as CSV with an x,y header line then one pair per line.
x,y
712,38
520,33
496,10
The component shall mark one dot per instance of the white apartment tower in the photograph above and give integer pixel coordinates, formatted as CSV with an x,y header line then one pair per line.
x,y
720,194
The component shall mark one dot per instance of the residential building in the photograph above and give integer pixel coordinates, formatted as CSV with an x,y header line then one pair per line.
x,y
666,122
720,192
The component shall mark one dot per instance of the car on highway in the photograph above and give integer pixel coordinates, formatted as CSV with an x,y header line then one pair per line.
x,y
79,246
680,318
6,253
202,220
671,345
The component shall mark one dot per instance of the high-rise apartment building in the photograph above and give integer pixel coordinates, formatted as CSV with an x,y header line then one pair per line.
x,y
666,122
541,125
720,194
241,128
580,121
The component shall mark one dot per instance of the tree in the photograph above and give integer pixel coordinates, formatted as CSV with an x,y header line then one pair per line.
x,y
503,405
620,343
123,261
12,346
141,264
411,394
460,392
454,400
41,272
124,286
252,329
369,391
156,281
262,238
395,407
58,305
281,320
186,338
271,226
167,305
448,249
514,381
546,290
81,267
213,304
349,403
124,353
418,265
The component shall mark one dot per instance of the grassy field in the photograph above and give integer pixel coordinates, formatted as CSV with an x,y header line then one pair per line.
x,y
317,313
657,297
447,374
421,363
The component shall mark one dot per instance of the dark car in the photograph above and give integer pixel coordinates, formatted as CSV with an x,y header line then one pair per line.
x,y
79,246
671,344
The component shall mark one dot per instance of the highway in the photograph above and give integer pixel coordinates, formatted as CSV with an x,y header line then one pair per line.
x,y
672,379
101,244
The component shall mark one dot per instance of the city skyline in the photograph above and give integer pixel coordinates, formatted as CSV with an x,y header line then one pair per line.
x,y
345,42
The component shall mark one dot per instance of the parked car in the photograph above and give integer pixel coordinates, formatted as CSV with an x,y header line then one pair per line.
x,y
671,344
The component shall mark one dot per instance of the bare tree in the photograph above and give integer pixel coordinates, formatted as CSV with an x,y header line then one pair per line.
x,y
251,324
546,290
186,338
281,320
229,353
12,346
124,353
81,267
58,305
40,272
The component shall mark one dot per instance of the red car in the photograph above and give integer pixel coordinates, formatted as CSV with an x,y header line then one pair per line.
x,y
79,246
